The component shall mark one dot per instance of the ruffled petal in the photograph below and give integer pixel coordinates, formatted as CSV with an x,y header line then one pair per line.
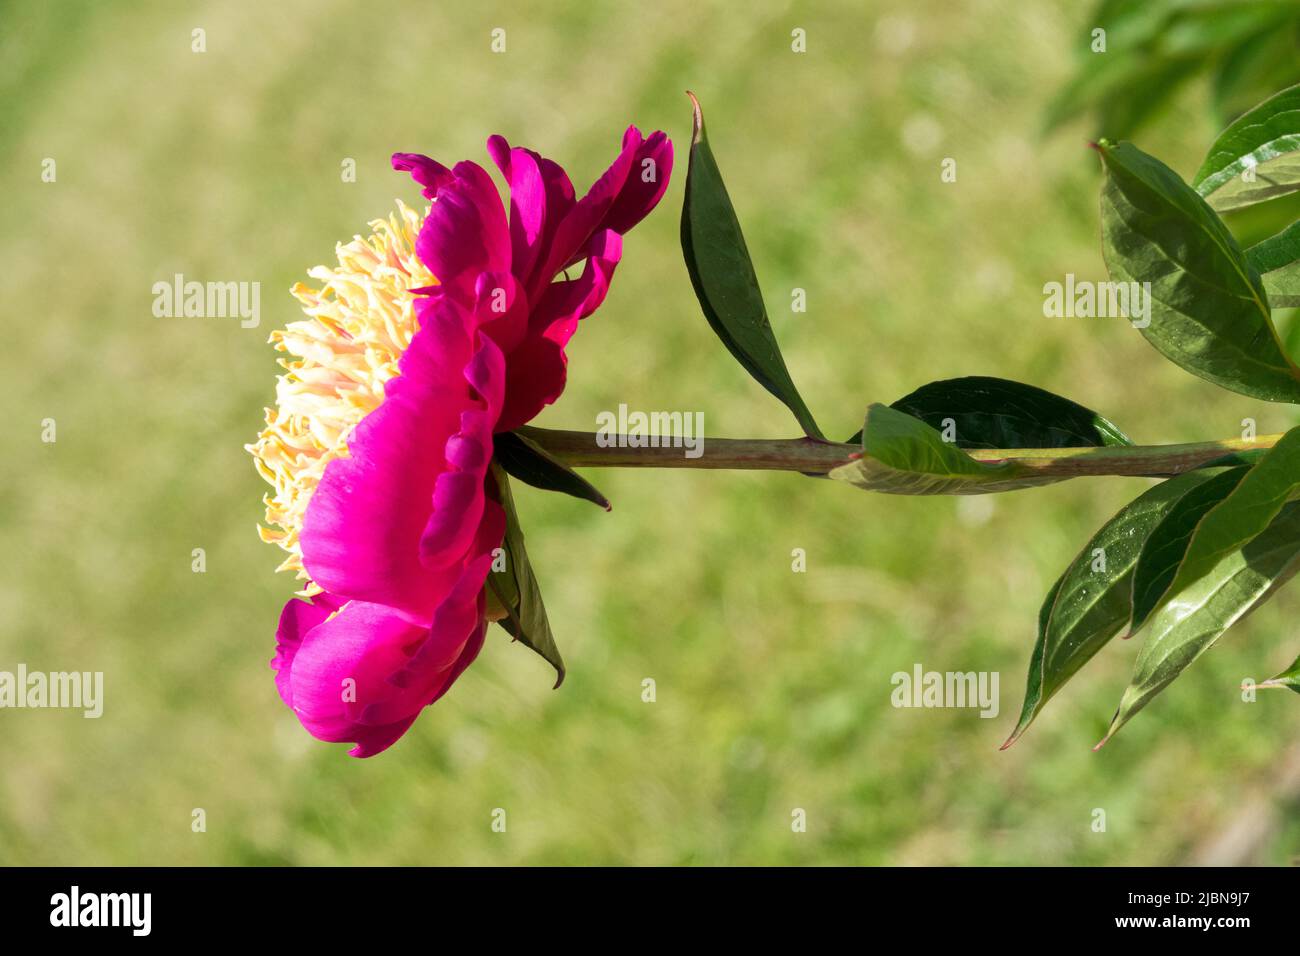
x,y
364,673
536,371
458,498
523,174
429,173
454,638
346,661
586,216
297,618
465,232
361,537
652,165
501,308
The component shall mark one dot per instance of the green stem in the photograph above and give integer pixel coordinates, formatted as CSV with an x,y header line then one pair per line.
x,y
812,456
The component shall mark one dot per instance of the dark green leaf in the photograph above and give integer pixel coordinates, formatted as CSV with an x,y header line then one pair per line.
x,y
902,455
997,413
1092,600
1288,678
516,587
1188,625
1166,544
528,461
724,279
1277,260
1208,309
1256,158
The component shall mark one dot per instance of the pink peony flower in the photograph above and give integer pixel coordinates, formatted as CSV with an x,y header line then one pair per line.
x,y
399,534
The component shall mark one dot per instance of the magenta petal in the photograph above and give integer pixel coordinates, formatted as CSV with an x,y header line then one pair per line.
x,y
297,618
501,308
566,302
499,149
344,663
365,673
429,173
652,166
453,639
528,202
372,740
458,497
560,195
361,535
465,232
573,233
537,369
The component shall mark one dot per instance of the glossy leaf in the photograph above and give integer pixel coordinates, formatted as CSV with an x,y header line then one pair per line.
x,y
523,458
724,280
997,413
1288,678
1244,513
1092,601
1256,158
1209,311
1277,260
516,587
1167,543
902,455
1187,625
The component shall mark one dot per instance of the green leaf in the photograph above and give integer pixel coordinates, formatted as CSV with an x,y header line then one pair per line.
x,y
1153,48
1208,309
528,461
1288,678
1130,62
1244,513
516,587
1255,70
1256,158
902,455
1167,543
1189,624
997,413
1092,601
724,279
1277,260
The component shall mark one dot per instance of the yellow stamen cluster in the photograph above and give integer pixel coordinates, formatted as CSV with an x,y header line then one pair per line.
x,y
359,322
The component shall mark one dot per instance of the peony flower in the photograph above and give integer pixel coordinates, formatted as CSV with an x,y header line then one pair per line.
x,y
381,445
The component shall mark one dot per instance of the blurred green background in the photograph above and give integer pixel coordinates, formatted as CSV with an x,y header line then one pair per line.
x,y
773,688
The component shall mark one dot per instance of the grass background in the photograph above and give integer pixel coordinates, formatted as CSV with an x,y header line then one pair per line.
x,y
773,687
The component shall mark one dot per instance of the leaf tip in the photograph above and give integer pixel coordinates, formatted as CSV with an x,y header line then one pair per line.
x,y
697,119
1115,724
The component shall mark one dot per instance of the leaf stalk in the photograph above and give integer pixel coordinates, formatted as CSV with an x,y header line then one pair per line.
x,y
579,449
